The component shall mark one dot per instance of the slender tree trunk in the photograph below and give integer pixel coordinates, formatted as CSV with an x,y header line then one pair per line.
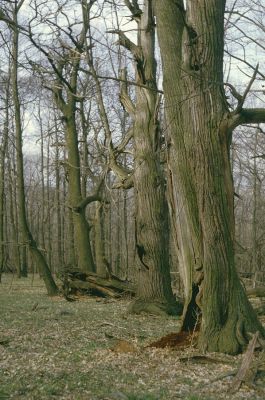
x,y
81,227
14,228
198,117
23,261
101,262
3,150
27,236
255,266
59,241
43,200
49,237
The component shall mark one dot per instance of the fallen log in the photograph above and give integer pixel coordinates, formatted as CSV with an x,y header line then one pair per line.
x,y
92,284
253,362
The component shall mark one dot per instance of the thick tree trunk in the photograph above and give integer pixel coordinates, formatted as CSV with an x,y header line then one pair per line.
x,y
191,44
154,292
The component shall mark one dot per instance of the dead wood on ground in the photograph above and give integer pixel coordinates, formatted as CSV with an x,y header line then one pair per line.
x,y
92,284
251,362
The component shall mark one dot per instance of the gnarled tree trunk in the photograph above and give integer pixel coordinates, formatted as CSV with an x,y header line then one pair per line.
x,y
154,292
191,42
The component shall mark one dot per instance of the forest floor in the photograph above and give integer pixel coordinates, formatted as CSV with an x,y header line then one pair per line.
x,y
92,349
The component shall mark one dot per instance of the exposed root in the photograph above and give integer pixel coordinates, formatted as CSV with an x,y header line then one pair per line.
x,y
240,333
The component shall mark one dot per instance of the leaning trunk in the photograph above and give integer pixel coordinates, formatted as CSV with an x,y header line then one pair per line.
x,y
38,257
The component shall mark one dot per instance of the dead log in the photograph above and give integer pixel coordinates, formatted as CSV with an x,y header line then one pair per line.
x,y
96,285
248,368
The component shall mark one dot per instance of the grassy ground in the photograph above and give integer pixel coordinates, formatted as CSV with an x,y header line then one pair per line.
x,y
53,349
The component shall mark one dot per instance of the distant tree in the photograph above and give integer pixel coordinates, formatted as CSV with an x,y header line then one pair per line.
x,y
3,152
65,57
26,233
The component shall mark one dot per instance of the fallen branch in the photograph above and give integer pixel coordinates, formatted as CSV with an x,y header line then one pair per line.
x,y
96,285
248,369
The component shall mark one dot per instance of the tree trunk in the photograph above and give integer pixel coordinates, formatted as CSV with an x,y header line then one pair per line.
x,y
3,149
14,230
27,236
58,201
81,228
154,292
101,262
191,44
256,196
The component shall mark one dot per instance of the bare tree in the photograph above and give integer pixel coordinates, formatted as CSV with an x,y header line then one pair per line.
x,y
192,45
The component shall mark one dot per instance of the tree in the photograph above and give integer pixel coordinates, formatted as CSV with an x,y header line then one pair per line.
x,y
154,291
26,233
65,61
3,150
191,39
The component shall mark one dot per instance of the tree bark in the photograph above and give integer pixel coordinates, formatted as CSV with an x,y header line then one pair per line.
x,y
101,262
154,292
27,236
3,150
191,42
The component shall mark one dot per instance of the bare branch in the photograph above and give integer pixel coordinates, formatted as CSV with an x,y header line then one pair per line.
x,y
125,140
234,92
241,98
247,116
128,44
125,99
240,104
134,8
96,196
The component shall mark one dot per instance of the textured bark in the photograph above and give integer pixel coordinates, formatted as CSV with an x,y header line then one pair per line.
x,y
154,292
191,44
101,262
59,242
81,227
15,231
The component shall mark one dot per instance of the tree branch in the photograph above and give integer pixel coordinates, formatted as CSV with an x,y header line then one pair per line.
x,y
96,196
128,44
134,8
241,103
241,98
127,183
125,99
125,140
248,116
